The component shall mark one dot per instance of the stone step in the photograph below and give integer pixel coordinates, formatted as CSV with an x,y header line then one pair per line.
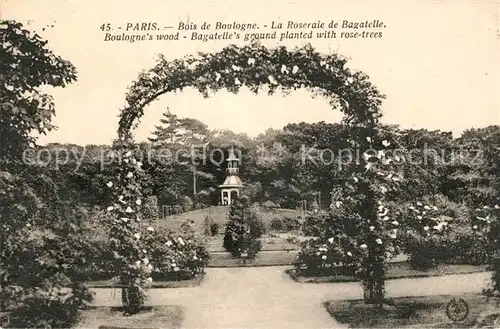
x,y
263,258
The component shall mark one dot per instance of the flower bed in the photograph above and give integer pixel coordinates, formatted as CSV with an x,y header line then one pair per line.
x,y
397,270
175,255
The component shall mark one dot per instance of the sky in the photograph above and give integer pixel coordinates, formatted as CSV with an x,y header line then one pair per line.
x,y
437,62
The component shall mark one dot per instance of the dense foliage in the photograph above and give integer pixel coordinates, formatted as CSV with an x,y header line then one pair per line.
x,y
43,256
440,231
243,229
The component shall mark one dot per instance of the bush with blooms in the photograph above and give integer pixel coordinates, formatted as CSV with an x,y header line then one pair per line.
x,y
176,255
426,230
438,231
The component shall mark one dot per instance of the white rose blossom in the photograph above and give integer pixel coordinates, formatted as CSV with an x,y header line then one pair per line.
x,y
272,80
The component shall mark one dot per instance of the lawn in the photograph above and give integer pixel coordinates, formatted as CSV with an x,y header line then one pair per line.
x,y
397,270
165,317
409,312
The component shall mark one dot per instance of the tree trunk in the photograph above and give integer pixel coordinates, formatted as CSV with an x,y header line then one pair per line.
x,y
374,292
374,282
132,300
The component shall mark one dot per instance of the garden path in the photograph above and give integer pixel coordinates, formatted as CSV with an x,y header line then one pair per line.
x,y
266,297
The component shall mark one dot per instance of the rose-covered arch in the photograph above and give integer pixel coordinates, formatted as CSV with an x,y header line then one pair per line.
x,y
255,66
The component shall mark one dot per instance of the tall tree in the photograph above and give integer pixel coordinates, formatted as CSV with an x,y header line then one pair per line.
x,y
168,129
42,252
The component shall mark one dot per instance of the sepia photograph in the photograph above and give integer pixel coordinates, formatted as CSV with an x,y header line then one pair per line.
x,y
249,165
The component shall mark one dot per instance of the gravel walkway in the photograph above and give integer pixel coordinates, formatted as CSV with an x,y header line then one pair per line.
x,y
266,297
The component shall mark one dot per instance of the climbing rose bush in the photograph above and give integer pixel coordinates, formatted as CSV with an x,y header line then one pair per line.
x,y
151,209
360,232
131,260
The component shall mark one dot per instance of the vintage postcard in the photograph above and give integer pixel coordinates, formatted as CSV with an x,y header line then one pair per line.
x,y
249,165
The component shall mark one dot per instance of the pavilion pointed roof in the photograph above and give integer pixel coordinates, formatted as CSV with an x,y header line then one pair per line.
x,y
232,181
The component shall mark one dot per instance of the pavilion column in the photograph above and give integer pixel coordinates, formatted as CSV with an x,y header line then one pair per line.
x,y
229,197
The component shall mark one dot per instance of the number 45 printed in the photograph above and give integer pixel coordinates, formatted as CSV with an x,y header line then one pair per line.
x,y
105,27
